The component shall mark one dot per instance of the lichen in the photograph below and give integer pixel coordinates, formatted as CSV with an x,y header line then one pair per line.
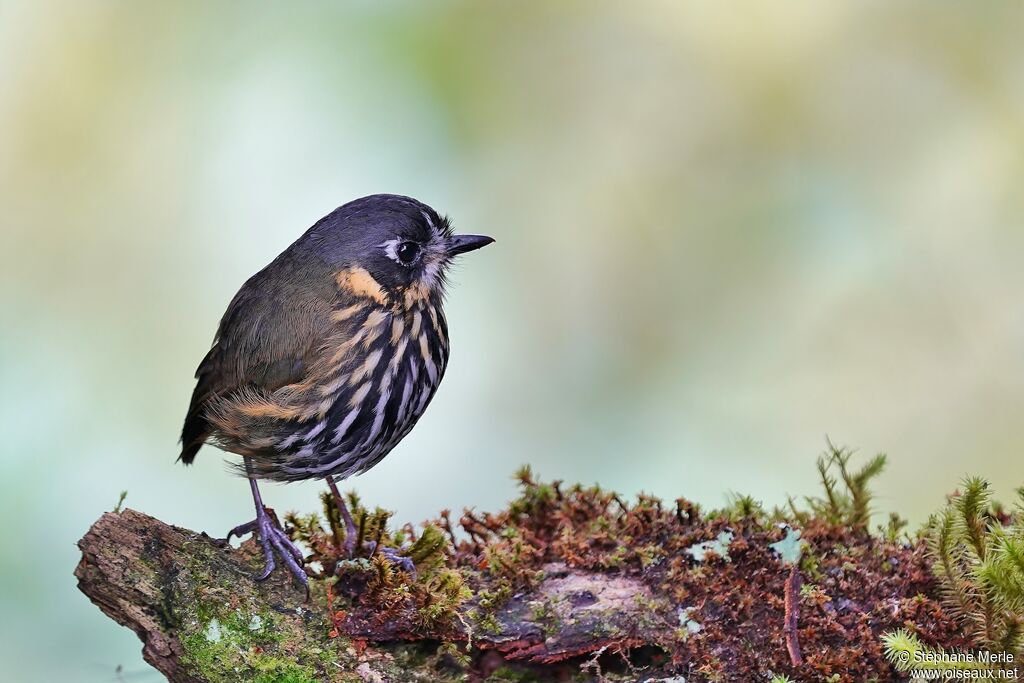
x,y
240,645
230,635
716,547
789,548
516,594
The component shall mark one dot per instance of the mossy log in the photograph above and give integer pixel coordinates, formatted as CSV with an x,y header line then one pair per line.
x,y
194,604
573,585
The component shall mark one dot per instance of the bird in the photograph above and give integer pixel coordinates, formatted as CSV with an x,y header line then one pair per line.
x,y
326,358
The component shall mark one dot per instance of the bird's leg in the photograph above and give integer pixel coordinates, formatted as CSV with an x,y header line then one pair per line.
x,y
350,526
351,532
272,538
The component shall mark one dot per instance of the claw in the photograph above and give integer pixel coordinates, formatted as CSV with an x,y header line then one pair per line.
x,y
242,530
274,541
349,546
272,538
394,556
267,570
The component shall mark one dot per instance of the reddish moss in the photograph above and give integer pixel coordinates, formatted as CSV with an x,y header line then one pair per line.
x,y
722,617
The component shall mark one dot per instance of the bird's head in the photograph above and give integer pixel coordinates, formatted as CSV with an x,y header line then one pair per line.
x,y
391,248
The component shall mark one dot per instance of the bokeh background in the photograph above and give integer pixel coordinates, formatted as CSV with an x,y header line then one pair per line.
x,y
724,231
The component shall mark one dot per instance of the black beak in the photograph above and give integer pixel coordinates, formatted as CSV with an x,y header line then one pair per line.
x,y
460,244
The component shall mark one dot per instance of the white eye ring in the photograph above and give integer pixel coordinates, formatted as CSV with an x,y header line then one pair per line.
x,y
396,249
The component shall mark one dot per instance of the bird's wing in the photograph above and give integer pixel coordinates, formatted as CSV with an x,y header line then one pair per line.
x,y
268,338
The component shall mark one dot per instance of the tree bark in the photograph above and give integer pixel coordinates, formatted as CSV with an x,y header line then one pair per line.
x,y
671,602
159,579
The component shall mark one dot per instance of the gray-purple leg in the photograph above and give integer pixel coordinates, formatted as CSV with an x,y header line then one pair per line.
x,y
346,517
271,539
351,532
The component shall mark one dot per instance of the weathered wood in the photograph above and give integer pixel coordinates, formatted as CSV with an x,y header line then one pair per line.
x,y
164,582
563,585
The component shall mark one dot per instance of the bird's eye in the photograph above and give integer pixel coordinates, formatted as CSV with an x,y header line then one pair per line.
x,y
407,252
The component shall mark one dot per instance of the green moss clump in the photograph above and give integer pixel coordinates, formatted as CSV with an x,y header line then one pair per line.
x,y
977,552
228,638
723,570
377,580
241,645
445,592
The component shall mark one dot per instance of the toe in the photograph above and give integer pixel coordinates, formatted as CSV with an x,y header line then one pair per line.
x,y
287,552
276,544
290,547
402,561
267,570
242,530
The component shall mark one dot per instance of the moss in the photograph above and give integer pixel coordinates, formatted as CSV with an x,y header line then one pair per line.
x,y
241,643
977,550
228,638
847,500
494,597
483,584
272,670
374,587
222,651
743,507
542,613
652,611
506,674
649,555
445,593
810,563
486,622
422,663
430,548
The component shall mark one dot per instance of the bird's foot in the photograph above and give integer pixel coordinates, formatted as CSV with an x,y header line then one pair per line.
x,y
394,556
348,547
274,541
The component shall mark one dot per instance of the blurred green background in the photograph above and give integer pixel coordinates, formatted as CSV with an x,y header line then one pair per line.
x,y
724,231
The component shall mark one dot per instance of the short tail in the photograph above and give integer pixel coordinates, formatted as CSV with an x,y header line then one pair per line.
x,y
196,429
190,445
188,453
193,434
